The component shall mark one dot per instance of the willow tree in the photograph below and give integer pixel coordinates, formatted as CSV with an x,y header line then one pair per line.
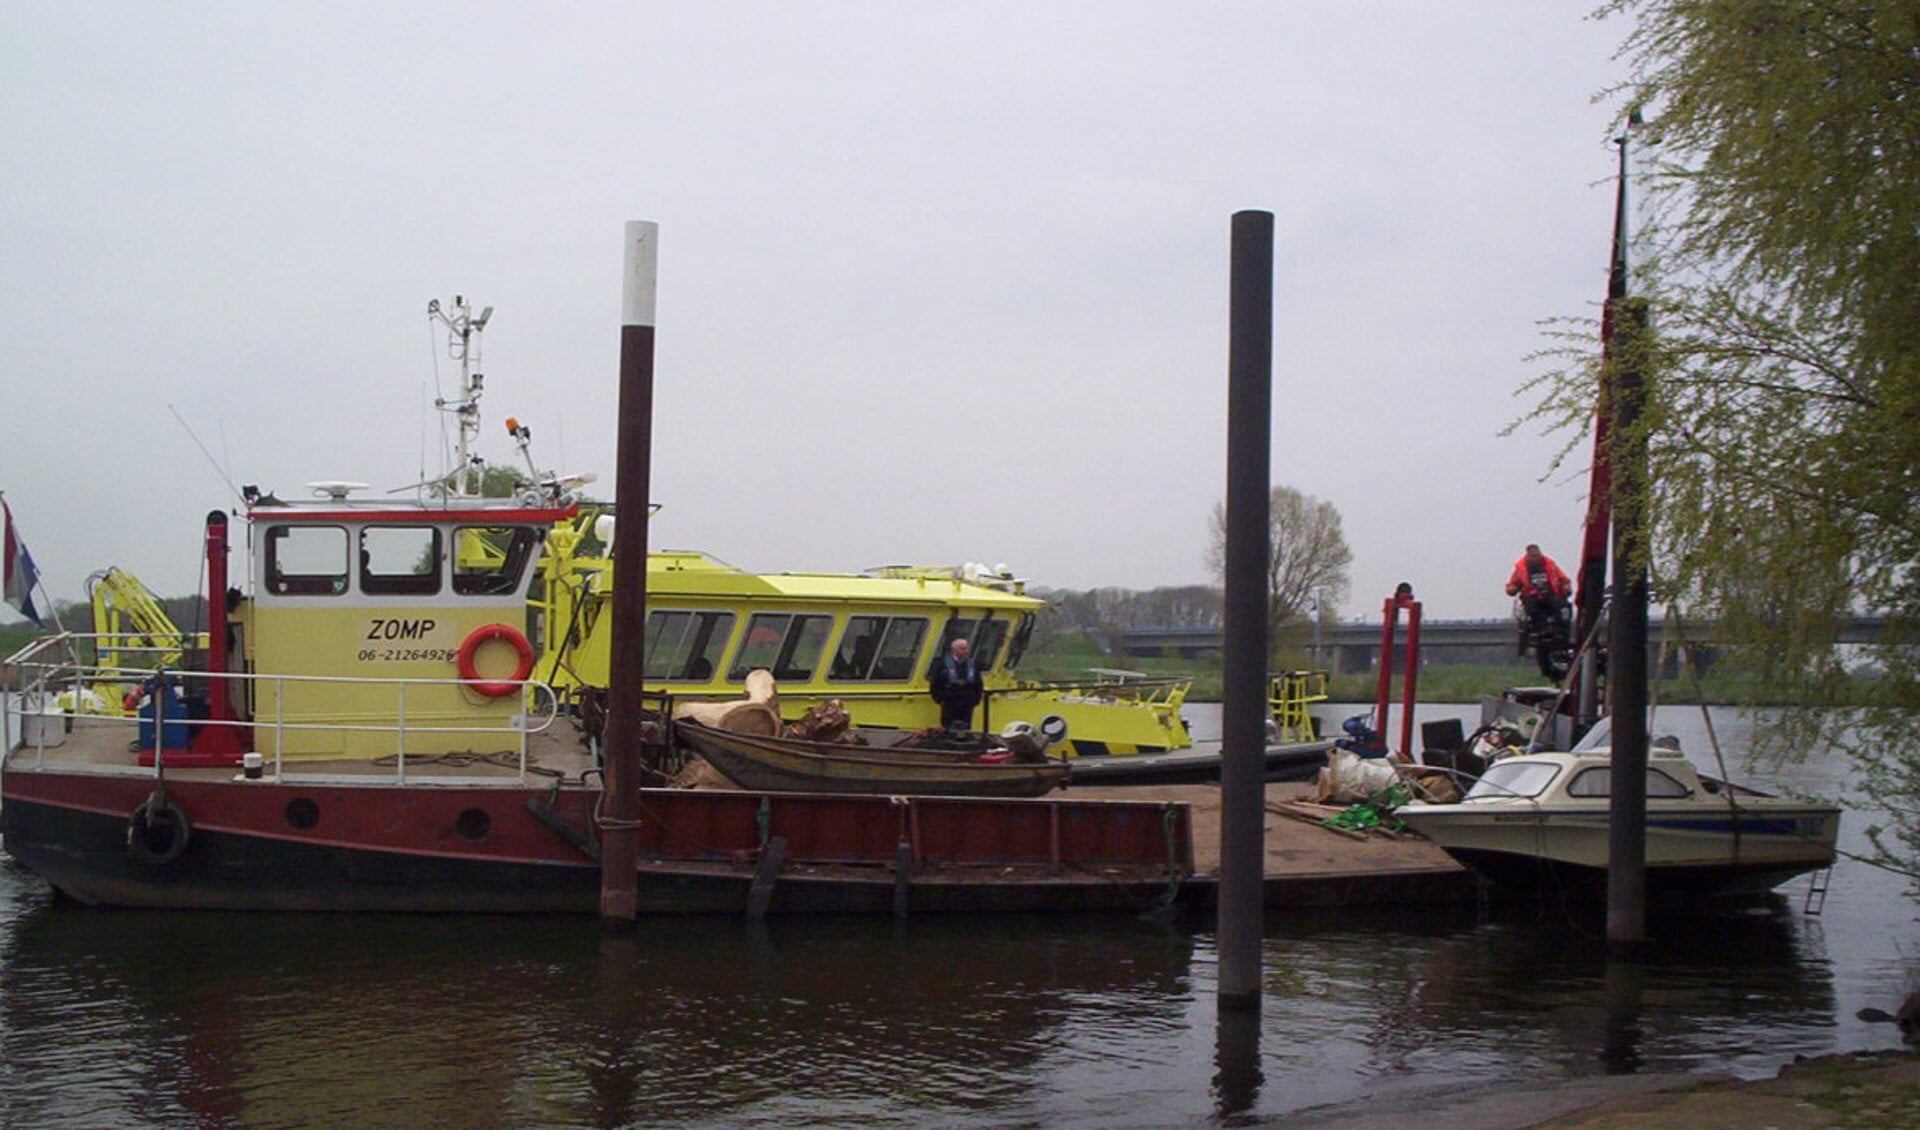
x,y
1781,255
1307,558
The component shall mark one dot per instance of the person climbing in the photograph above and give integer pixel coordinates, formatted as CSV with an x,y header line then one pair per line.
x,y
1542,587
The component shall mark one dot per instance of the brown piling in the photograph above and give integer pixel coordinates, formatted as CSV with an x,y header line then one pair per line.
x,y
619,891
1627,641
1244,655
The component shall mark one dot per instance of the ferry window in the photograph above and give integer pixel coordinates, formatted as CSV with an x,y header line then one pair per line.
x,y
686,645
787,645
956,628
307,560
490,560
1599,782
858,645
400,559
878,647
898,649
986,643
1022,635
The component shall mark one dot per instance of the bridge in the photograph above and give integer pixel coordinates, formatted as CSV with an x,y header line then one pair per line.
x,y
1355,646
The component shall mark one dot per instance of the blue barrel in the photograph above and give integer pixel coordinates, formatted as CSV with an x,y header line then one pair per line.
x,y
174,730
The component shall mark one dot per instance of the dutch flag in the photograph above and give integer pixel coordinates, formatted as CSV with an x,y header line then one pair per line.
x,y
21,576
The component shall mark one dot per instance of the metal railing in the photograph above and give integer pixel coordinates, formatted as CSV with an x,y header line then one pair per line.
x,y
48,680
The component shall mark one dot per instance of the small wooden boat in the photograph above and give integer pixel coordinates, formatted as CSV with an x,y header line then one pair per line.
x,y
770,764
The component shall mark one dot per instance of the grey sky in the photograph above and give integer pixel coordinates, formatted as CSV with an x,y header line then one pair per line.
x,y
937,282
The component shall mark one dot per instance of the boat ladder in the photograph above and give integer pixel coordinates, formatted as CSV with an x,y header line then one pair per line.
x,y
1817,884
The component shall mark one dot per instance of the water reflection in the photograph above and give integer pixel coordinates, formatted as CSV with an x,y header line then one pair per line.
x,y
284,1020
1236,1076
140,1019
1620,1050
1392,1002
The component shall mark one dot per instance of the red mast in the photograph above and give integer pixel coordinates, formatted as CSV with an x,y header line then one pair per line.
x,y
1591,577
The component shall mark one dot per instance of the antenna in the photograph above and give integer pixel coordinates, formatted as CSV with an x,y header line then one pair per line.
x,y
217,468
463,345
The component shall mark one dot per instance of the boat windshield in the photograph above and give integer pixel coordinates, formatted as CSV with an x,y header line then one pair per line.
x,y
1514,778
1600,737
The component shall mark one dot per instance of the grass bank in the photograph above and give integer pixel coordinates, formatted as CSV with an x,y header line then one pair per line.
x,y
1072,656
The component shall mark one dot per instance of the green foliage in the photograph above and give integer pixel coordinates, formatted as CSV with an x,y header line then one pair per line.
x,y
1783,425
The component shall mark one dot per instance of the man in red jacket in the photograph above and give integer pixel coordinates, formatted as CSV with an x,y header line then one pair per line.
x,y
1539,583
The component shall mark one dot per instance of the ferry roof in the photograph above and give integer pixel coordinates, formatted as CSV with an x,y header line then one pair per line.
x,y
692,573
487,510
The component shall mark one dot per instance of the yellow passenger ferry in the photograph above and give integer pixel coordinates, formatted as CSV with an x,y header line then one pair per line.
x,y
866,639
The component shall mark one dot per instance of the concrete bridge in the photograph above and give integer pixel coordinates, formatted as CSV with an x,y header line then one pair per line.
x,y
1355,646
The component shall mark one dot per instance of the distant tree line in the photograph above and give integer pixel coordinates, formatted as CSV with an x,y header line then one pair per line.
x,y
1099,613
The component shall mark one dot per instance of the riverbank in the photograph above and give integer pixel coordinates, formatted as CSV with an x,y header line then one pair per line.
x,y
1860,1091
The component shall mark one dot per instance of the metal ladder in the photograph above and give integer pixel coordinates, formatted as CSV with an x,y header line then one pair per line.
x,y
1817,884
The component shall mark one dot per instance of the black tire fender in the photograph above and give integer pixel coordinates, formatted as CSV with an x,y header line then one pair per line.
x,y
158,831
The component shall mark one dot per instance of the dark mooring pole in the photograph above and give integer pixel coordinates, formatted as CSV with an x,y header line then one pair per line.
x,y
1243,714
1627,640
632,492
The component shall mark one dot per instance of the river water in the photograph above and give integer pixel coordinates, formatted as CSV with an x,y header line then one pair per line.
x,y
139,1019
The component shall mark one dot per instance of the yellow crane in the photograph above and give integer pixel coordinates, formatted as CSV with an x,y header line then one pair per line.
x,y
132,630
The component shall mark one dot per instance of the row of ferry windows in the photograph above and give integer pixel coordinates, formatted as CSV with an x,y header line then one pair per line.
x,y
688,646
397,560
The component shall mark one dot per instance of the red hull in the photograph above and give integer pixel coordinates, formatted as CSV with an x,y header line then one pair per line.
x,y
266,846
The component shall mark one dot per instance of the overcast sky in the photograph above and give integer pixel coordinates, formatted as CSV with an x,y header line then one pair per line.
x,y
938,282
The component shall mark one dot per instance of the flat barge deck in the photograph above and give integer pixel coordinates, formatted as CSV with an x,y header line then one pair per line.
x,y
496,834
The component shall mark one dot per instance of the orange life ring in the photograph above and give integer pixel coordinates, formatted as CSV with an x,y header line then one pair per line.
x,y
471,674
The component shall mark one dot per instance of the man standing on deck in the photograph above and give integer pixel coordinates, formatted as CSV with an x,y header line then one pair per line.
x,y
956,686
1542,588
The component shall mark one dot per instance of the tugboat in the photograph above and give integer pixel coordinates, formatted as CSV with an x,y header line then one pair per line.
x,y
366,730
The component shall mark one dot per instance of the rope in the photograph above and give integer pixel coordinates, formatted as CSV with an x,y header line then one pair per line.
x,y
1168,818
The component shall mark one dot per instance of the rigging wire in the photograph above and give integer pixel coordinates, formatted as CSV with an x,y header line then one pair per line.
x,y
217,468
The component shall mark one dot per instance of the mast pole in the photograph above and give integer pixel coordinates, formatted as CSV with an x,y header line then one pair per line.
x,y
1592,575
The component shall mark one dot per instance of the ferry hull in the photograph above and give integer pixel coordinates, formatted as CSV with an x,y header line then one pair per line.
x,y
414,849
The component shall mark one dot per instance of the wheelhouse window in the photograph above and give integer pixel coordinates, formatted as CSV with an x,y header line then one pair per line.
x,y
878,648
400,560
1598,782
307,560
987,641
1022,636
787,644
984,637
957,628
491,560
686,646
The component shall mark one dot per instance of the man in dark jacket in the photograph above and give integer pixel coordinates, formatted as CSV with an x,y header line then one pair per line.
x,y
956,686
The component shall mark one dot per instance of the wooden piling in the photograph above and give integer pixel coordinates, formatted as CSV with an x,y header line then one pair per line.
x,y
626,666
1244,655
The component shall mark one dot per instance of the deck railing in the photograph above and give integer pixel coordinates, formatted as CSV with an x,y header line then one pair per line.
x,y
49,685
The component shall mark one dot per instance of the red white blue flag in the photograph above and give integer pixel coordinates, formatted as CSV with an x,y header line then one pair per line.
x,y
21,576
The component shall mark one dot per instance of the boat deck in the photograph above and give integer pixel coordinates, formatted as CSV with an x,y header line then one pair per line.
x,y
106,744
1305,865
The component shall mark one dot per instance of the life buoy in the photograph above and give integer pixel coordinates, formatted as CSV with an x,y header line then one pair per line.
x,y
508,635
158,831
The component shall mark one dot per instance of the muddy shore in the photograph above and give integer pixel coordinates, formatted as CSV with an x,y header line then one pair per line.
x,y
1862,1091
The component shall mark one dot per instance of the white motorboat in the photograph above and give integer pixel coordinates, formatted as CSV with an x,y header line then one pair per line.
x,y
1538,824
